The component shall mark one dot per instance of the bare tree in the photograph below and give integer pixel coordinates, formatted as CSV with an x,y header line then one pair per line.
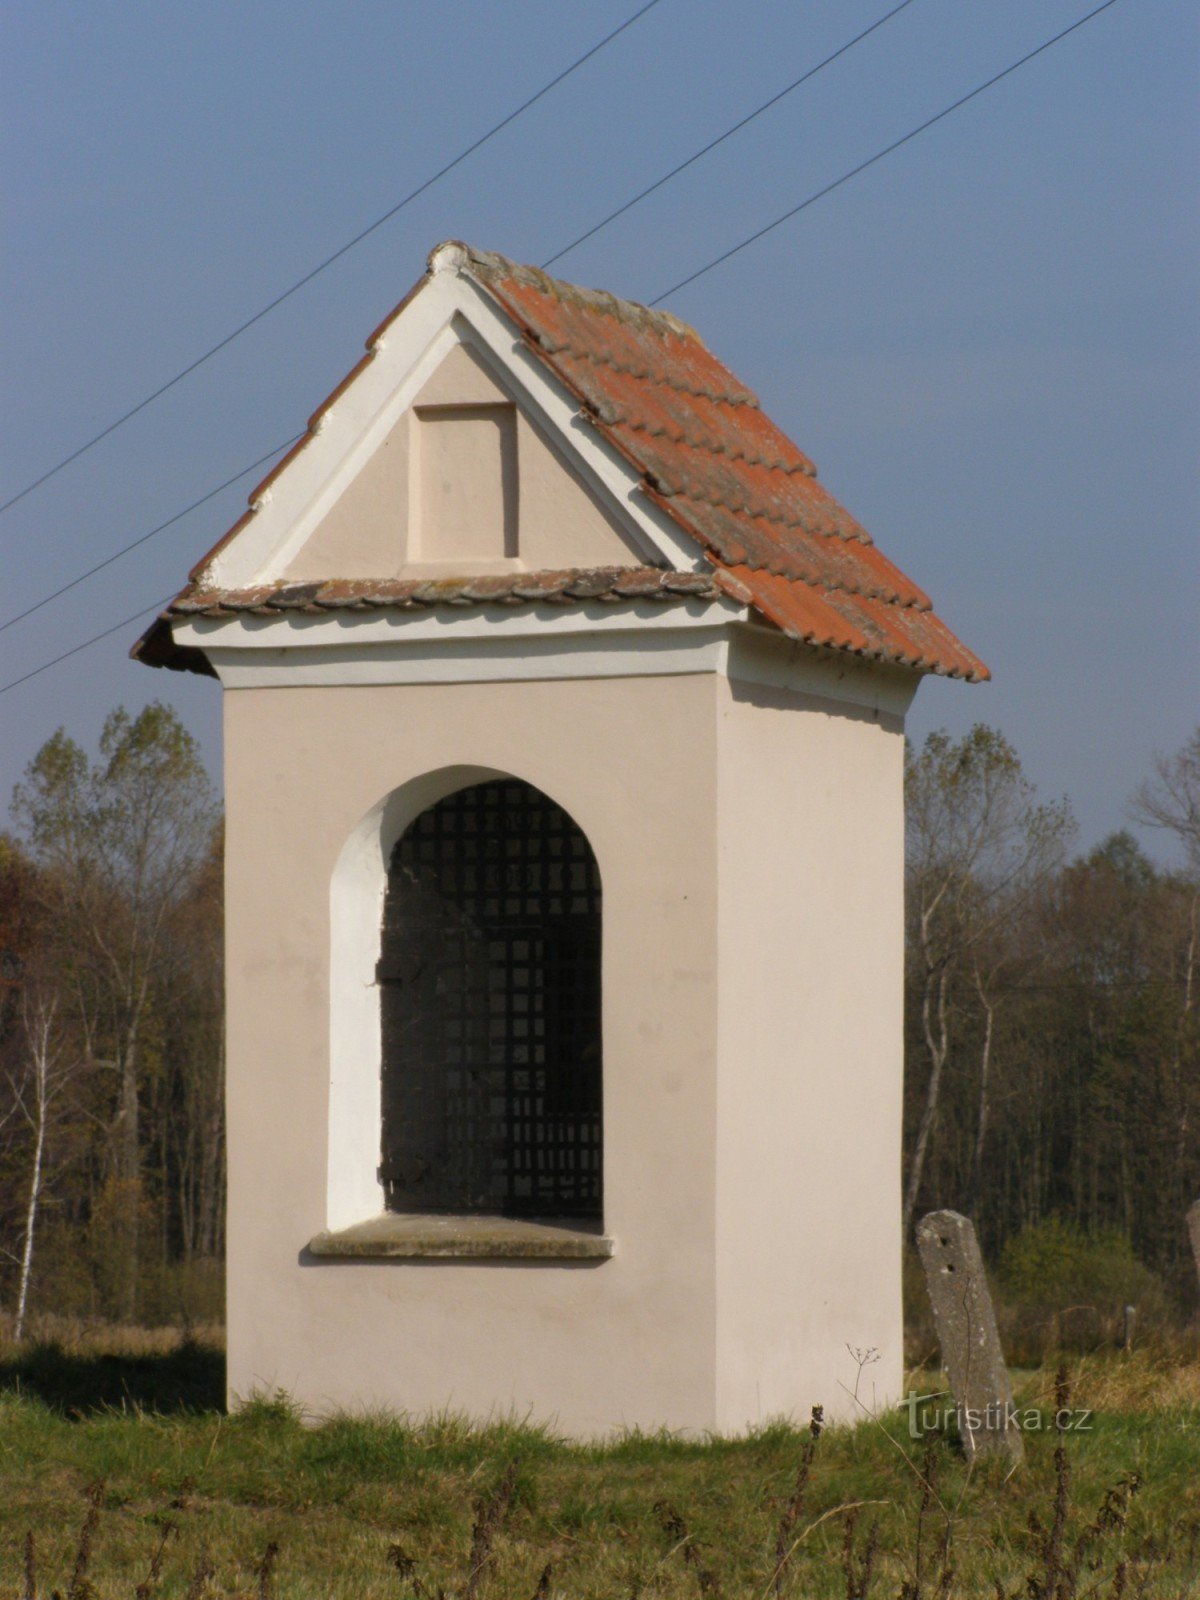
x,y
118,841
977,847
35,1091
1171,798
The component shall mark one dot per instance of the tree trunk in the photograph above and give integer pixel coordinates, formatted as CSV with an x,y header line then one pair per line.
x,y
975,1185
41,1089
933,1022
129,1168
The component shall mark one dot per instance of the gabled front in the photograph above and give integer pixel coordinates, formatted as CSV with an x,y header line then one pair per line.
x,y
513,444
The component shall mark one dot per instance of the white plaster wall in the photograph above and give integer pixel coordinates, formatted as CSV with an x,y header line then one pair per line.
x,y
589,1346
810,1074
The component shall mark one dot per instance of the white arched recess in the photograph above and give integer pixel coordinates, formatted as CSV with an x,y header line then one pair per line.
x,y
354,1192
355,918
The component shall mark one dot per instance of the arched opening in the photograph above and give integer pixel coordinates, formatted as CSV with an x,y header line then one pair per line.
x,y
489,976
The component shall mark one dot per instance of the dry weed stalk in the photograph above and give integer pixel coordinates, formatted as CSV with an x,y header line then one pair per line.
x,y
859,1574
1110,1521
201,1578
915,1590
677,1530
30,1564
491,1513
266,1572
1045,1585
406,1566
148,1584
80,1586
791,1511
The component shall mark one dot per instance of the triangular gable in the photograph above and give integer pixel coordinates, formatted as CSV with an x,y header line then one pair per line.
x,y
466,481
676,465
445,384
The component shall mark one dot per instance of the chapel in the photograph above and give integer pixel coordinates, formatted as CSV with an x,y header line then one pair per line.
x,y
564,742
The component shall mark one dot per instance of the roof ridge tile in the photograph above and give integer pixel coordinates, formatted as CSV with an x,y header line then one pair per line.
x,y
491,266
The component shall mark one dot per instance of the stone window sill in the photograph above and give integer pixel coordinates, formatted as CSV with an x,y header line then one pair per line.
x,y
402,1237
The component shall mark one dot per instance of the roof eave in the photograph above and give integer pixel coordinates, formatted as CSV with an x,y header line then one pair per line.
x,y
157,648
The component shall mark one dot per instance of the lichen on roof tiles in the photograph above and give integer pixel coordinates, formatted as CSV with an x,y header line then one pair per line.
x,y
707,457
724,472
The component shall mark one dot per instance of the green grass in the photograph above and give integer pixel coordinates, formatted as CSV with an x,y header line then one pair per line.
x,y
368,1506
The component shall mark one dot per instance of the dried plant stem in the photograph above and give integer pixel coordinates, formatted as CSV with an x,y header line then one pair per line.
x,y
858,1574
148,1583
30,1568
677,1529
79,1588
834,1511
791,1511
200,1579
266,1572
490,1515
896,1445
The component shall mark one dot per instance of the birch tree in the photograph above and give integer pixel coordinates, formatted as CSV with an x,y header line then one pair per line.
x,y
977,846
38,1090
1171,800
117,840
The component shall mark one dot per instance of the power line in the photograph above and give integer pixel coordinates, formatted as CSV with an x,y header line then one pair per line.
x,y
717,261
728,134
566,250
327,262
878,156
87,644
161,528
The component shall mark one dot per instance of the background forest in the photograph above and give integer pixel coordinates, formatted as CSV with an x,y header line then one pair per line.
x,y
1052,1049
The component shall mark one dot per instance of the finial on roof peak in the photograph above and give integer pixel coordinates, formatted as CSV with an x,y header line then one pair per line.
x,y
452,255
449,256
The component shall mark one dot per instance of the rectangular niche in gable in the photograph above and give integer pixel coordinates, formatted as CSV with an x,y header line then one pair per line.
x,y
464,484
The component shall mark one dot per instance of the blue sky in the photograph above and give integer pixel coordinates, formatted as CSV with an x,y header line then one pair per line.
x,y
987,342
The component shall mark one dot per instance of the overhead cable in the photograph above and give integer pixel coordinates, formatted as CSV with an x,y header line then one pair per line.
x,y
126,622
161,528
887,150
728,134
717,261
321,266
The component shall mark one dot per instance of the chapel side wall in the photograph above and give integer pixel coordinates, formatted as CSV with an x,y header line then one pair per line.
x,y
587,1346
810,1053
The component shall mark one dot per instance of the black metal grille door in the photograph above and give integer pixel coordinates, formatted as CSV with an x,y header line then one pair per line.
x,y
490,1002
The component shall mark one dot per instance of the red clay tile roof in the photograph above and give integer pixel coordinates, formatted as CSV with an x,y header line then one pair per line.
x,y
571,586
714,463
724,472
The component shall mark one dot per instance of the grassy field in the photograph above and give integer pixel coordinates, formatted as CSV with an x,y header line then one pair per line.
x,y
120,1476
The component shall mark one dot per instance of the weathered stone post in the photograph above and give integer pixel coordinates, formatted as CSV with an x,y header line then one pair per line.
x,y
1193,1222
966,1330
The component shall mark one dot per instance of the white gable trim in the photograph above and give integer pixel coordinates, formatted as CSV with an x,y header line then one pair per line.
x,y
448,309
